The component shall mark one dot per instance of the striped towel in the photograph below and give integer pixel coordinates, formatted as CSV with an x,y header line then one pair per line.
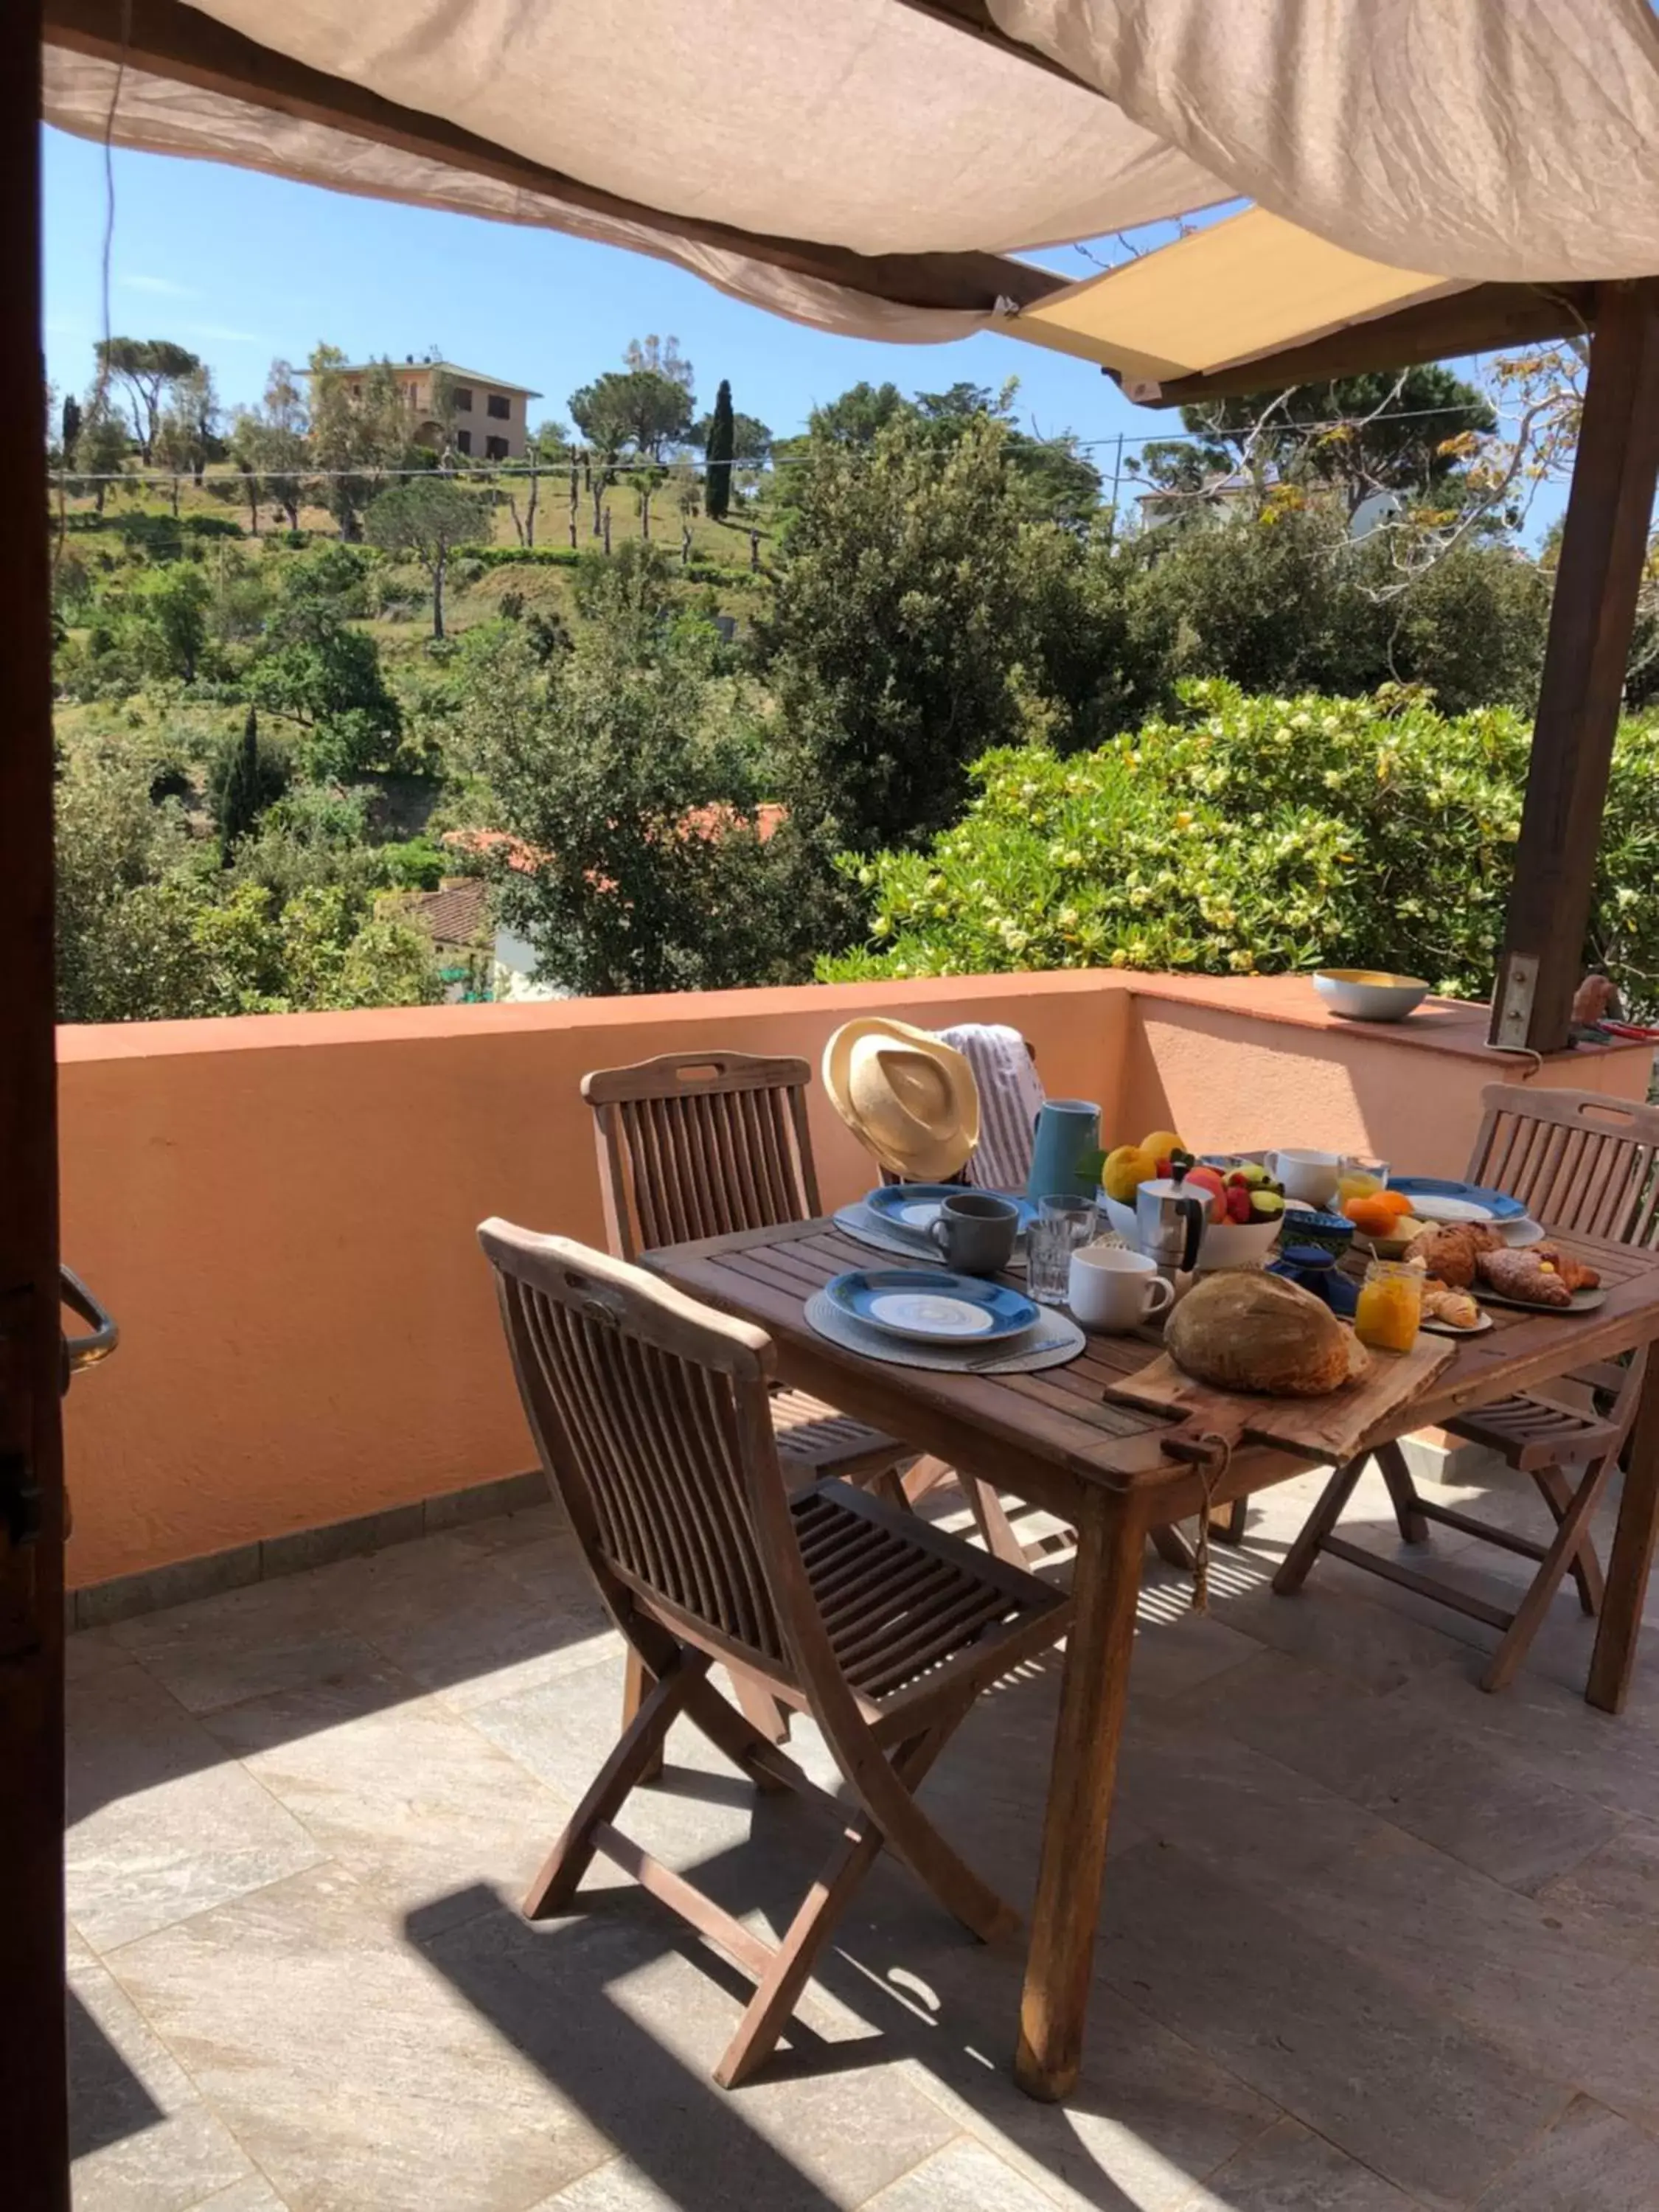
x,y
1010,1093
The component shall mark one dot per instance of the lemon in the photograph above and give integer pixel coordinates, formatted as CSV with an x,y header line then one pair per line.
x,y
1125,1170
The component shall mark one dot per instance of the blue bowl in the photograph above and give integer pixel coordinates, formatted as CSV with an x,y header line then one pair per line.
x,y
1331,1232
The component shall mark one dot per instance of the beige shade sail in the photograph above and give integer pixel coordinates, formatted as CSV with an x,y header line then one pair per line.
x,y
873,165
1248,287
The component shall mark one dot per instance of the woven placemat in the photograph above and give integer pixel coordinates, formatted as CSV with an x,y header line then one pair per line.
x,y
1051,1342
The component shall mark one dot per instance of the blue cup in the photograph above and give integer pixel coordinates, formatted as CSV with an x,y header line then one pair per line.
x,y
1066,1128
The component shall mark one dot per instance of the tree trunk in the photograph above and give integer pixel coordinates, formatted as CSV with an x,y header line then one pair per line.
x,y
607,530
598,508
175,498
644,516
754,549
529,506
438,596
252,486
685,544
513,509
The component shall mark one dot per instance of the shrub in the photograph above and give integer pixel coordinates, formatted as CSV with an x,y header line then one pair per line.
x,y
1258,835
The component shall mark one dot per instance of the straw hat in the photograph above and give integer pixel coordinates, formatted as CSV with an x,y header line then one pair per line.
x,y
906,1095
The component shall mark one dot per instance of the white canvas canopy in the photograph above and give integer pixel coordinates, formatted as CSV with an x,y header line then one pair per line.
x,y
868,166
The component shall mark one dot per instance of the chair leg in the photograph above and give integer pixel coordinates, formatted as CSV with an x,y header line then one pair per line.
x,y
759,1708
1172,1547
638,1747
1227,1523
1530,1613
774,2000
636,1688
1586,1568
1293,1568
1395,1472
996,1530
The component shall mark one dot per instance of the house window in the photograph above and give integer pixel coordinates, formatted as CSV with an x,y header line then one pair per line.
x,y
494,449
464,442
499,406
464,398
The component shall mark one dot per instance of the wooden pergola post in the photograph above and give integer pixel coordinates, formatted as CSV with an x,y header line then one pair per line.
x,y
1603,546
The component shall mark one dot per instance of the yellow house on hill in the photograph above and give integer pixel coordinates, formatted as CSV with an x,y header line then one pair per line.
x,y
489,417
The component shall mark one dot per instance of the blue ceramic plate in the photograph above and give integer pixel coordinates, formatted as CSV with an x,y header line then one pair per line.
x,y
932,1306
1462,1201
912,1207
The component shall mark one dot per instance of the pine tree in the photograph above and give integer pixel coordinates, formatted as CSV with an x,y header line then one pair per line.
x,y
718,453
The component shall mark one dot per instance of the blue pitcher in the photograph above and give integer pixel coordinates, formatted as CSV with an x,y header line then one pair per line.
x,y
1066,1129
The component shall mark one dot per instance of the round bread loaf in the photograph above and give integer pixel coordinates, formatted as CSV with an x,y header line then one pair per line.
x,y
1246,1330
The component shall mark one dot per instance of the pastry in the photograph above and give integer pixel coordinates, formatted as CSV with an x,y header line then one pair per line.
x,y
1451,1250
1456,1307
1251,1330
1531,1278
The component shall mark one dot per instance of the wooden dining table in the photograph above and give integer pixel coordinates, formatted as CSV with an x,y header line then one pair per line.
x,y
1056,1439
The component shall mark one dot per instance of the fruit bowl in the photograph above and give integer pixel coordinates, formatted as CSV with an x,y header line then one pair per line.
x,y
1368,994
1224,1244
1238,1244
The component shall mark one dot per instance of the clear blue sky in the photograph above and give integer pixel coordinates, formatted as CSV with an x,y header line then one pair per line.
x,y
241,267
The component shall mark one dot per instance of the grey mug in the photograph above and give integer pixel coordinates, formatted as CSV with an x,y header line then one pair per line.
x,y
975,1231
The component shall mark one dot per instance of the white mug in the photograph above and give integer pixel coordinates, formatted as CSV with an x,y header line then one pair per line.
x,y
1110,1287
1310,1176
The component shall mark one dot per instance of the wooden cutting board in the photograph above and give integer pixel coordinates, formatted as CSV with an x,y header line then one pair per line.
x,y
1333,1427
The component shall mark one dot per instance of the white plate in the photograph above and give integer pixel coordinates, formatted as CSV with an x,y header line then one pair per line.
x,y
1447,1329
1519,1234
928,1315
920,1217
1428,1205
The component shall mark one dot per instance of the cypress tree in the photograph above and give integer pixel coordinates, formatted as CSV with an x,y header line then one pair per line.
x,y
248,783
717,489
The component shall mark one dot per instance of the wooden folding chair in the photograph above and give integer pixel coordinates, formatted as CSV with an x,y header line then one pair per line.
x,y
1583,1164
654,1420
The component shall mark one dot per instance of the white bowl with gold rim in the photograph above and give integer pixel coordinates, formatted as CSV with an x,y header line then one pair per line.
x,y
1370,994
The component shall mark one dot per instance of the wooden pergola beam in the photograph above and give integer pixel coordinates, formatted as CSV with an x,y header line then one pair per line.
x,y
167,39
1483,318
1592,619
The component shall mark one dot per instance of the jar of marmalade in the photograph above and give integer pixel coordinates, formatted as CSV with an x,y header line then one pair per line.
x,y
1390,1306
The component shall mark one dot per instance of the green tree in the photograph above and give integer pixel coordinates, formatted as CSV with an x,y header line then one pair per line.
x,y
1407,430
718,450
167,618
247,775
269,445
315,671
899,616
633,775
429,517
101,447
147,367
70,427
641,408
360,428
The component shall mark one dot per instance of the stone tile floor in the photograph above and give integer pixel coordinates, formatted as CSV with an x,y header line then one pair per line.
x,y
1370,1940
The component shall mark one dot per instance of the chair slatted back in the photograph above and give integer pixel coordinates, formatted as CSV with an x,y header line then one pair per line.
x,y
1579,1162
695,1144
650,1416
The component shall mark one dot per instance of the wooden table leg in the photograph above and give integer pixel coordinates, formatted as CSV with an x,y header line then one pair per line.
x,y
1632,1556
1105,1582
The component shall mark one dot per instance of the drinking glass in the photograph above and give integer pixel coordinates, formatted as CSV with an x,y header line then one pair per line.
x,y
1063,1222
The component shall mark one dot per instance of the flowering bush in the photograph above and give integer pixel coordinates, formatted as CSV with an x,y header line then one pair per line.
x,y
1257,835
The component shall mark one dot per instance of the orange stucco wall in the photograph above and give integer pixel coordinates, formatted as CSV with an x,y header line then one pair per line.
x,y
280,1210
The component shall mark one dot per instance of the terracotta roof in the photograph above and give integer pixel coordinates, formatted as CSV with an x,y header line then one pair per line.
x,y
457,914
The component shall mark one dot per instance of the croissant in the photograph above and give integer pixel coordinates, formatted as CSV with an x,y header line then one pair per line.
x,y
1456,1308
1573,1272
1532,1277
1452,1250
